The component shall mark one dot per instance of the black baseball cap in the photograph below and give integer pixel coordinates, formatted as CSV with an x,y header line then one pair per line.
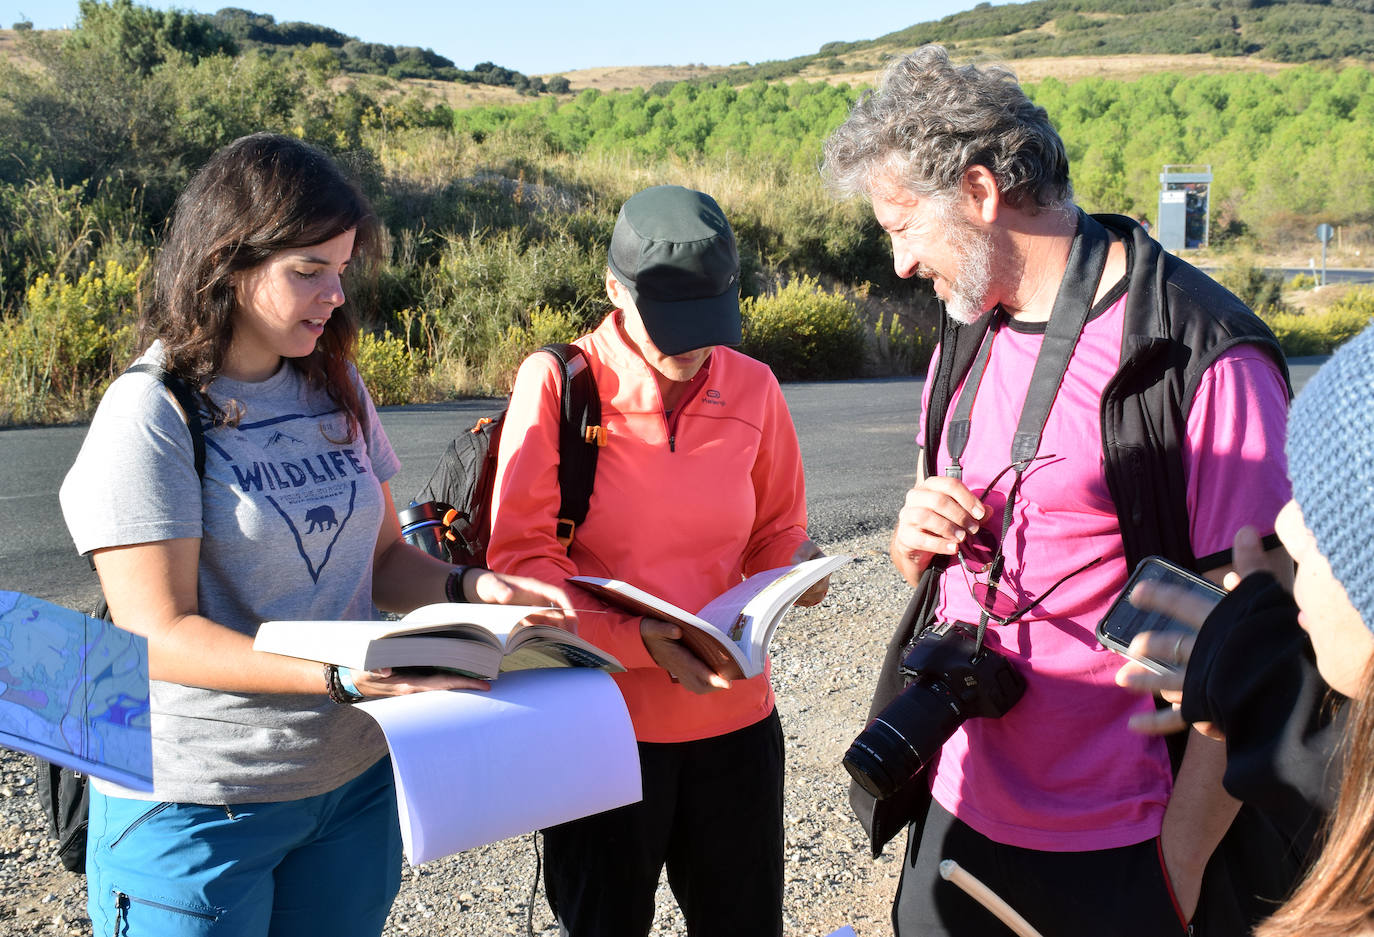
x,y
674,251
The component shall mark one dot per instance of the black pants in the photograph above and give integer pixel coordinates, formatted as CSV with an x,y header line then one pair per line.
x,y
1101,893
712,812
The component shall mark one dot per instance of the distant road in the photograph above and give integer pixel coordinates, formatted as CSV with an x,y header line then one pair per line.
x,y
1333,274
857,439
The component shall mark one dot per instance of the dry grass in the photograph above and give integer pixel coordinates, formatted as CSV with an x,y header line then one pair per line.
x,y
861,68
10,50
1317,301
1068,68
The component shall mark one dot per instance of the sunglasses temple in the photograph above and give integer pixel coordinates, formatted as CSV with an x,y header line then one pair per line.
x,y
1008,619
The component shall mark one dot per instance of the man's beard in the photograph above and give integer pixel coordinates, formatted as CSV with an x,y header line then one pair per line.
x,y
967,300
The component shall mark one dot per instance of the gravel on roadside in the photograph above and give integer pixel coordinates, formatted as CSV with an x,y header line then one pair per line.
x,y
824,662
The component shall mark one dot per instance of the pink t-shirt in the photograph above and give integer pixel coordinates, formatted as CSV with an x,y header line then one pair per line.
x,y
1061,771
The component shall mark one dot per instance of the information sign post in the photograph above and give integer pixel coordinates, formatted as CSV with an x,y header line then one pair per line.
x,y
1324,234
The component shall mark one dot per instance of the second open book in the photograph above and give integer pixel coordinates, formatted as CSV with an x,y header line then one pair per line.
x,y
732,632
475,639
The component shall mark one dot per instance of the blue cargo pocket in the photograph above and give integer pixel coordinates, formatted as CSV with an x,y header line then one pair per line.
x,y
140,905
143,818
136,915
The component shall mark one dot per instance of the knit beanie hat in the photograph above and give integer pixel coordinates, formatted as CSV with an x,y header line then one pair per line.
x,y
1331,463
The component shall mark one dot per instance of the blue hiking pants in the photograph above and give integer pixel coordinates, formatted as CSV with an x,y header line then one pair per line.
x,y
325,865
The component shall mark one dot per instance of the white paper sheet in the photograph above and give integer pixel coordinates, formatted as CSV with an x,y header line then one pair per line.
x,y
541,748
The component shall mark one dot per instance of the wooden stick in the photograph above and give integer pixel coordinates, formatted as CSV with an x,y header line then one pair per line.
x,y
951,871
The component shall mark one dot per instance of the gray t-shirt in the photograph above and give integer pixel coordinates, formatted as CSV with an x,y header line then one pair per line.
x,y
288,517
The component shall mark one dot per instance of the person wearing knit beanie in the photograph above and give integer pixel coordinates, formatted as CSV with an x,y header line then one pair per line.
x,y
1328,527
1249,673
1330,453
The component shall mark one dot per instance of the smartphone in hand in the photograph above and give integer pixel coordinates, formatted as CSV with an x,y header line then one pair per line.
x,y
1124,621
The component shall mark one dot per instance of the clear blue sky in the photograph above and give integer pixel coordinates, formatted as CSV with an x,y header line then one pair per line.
x,y
547,36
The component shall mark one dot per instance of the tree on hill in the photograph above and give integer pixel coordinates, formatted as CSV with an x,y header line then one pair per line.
x,y
143,37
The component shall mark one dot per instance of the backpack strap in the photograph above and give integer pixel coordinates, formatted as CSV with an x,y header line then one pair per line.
x,y
580,437
190,406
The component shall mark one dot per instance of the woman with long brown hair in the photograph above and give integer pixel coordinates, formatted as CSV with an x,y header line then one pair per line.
x,y
273,809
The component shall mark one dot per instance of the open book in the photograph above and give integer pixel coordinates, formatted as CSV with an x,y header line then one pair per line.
x,y
478,640
541,748
731,634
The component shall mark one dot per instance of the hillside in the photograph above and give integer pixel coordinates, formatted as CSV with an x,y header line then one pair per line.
x,y
1070,40
1202,31
1280,30
1064,39
866,69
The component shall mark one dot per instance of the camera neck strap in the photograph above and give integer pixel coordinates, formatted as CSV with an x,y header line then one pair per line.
x,y
1072,305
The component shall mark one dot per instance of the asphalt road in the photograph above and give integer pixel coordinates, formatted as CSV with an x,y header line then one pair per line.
x,y
857,443
857,440
1333,274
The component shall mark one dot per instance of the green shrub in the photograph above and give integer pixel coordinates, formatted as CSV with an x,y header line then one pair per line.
x,y
902,350
546,325
805,333
387,367
58,355
1257,288
482,288
1320,333
1302,281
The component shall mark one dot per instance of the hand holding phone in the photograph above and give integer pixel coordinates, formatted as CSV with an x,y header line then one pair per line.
x,y
1166,601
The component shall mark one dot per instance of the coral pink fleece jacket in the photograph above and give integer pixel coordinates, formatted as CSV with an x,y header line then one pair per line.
x,y
684,506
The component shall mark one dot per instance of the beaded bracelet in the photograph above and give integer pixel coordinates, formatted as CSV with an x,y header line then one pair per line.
x,y
453,586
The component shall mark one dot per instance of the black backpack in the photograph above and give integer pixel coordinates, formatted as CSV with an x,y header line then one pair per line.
x,y
451,516
63,792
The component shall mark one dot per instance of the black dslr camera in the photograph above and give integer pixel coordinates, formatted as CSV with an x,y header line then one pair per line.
x,y
952,679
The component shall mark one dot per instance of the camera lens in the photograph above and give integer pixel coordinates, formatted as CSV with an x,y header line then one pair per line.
x,y
903,738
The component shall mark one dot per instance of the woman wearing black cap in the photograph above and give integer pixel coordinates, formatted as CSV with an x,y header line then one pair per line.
x,y
699,485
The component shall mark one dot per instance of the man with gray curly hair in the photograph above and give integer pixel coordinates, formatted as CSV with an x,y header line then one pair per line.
x,y
1094,400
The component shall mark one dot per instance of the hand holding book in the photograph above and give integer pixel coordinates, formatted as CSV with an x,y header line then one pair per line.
x,y
663,639
398,681
493,588
815,593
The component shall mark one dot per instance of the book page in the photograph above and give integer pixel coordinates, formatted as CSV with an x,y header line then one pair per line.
x,y
707,642
347,642
541,748
496,619
749,613
536,644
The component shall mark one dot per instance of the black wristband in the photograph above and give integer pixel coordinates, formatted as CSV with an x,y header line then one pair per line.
x,y
453,587
334,686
